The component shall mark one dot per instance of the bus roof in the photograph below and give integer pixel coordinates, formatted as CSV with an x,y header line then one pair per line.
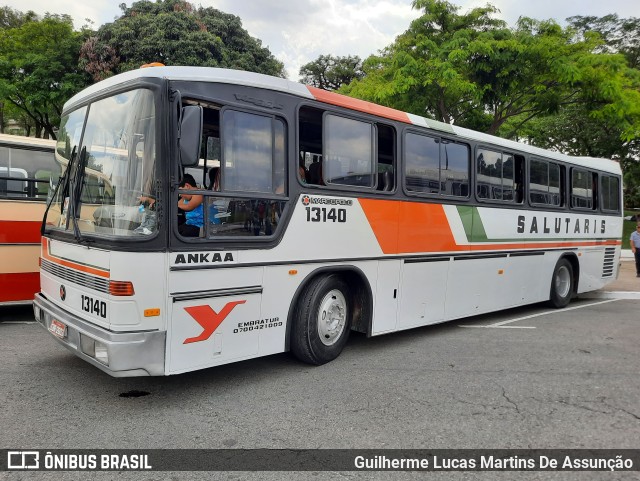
x,y
251,79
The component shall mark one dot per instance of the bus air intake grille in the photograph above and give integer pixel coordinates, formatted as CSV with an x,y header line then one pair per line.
x,y
608,265
80,278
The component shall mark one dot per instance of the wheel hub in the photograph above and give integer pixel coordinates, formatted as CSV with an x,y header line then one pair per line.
x,y
332,316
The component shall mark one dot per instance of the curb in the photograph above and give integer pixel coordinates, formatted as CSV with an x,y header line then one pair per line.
x,y
626,255
610,295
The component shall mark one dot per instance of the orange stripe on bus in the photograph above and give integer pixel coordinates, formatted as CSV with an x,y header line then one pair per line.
x,y
409,227
359,105
72,265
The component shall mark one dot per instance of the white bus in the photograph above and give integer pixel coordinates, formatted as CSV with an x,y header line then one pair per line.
x,y
332,214
26,168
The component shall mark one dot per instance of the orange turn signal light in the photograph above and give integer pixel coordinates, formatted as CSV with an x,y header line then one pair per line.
x,y
121,288
152,312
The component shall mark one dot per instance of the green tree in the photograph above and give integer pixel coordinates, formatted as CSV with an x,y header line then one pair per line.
x,y
330,73
426,70
620,35
603,131
39,68
474,71
175,32
11,18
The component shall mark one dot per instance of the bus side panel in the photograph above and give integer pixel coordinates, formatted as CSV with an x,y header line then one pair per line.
x,y
593,267
280,286
18,287
19,250
386,297
474,286
526,279
209,325
423,293
210,331
19,276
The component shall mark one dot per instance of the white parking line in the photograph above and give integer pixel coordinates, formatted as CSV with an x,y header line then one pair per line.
x,y
18,322
502,325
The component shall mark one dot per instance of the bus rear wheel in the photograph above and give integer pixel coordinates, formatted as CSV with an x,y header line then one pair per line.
x,y
323,321
561,284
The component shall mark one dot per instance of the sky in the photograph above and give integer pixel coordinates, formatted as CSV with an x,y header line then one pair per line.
x,y
298,31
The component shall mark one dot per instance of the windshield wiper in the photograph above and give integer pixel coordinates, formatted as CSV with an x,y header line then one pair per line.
x,y
62,181
74,200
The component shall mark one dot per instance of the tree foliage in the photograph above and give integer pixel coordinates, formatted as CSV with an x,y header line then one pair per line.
x,y
175,32
330,73
472,70
11,18
39,67
619,35
605,132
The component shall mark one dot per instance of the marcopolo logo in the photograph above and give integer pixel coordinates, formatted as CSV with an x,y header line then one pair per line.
x,y
307,200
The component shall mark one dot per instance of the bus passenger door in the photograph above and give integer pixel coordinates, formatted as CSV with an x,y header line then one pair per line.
x,y
209,331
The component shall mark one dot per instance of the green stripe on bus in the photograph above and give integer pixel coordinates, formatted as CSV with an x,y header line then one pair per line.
x,y
473,227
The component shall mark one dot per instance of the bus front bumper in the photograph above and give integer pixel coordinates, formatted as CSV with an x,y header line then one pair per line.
x,y
125,354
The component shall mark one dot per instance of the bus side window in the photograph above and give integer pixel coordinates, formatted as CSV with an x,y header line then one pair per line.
x,y
310,132
386,157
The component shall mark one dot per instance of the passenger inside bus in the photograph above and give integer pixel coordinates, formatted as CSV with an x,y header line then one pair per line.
x,y
315,173
191,204
302,170
214,185
214,179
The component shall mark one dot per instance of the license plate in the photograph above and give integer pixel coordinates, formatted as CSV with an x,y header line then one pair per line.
x,y
58,329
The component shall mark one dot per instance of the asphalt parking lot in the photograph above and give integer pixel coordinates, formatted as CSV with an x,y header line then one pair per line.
x,y
531,377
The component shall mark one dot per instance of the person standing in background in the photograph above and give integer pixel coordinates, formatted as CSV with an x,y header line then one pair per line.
x,y
635,247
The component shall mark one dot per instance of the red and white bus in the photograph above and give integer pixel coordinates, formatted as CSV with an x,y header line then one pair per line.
x,y
26,167
328,214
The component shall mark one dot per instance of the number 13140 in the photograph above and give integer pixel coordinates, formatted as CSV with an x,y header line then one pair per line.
x,y
324,214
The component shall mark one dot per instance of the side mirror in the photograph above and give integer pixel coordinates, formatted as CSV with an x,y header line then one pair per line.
x,y
190,135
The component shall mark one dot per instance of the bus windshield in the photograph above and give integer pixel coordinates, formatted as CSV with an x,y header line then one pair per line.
x,y
107,153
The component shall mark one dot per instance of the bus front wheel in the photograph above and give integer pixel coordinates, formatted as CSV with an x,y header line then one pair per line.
x,y
323,321
561,284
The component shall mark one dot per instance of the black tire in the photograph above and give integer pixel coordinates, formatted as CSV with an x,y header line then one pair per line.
x,y
561,284
322,321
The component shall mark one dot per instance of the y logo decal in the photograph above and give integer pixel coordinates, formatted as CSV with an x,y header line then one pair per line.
x,y
209,319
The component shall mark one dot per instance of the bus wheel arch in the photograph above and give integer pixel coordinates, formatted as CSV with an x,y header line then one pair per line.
x,y
327,291
564,281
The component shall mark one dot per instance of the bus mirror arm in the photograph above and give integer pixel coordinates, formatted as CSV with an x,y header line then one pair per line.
x,y
190,135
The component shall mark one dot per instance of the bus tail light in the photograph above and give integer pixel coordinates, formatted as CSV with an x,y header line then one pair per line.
x,y
121,288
